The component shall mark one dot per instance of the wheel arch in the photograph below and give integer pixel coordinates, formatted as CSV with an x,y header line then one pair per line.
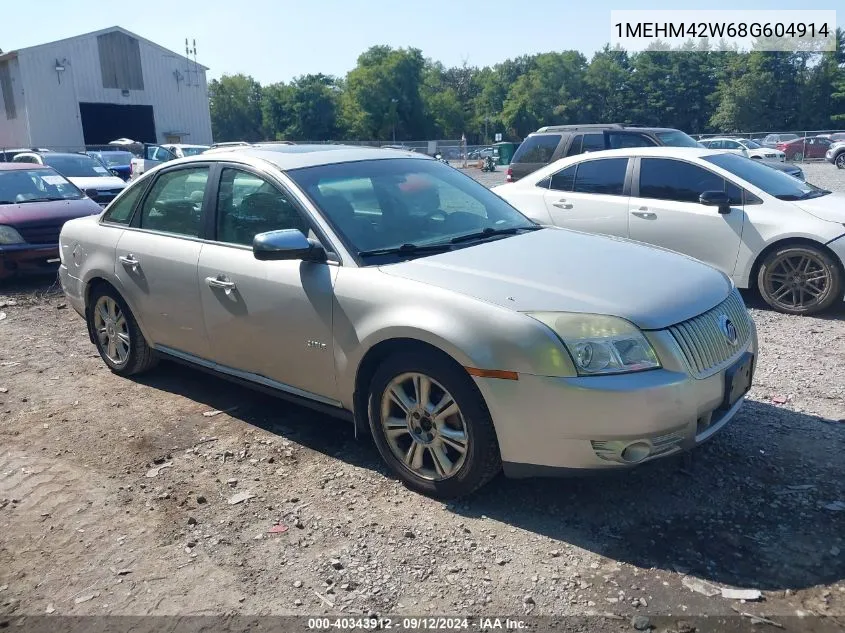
x,y
92,284
370,362
789,241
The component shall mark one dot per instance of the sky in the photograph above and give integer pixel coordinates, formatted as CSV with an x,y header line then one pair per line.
x,y
277,40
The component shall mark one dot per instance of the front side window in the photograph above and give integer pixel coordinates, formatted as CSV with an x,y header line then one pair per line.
x,y
35,185
248,205
537,149
391,203
731,145
666,179
174,204
564,179
601,176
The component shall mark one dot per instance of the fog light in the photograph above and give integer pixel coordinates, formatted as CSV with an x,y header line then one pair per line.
x,y
636,452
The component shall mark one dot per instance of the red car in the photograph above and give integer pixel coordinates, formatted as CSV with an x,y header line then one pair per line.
x,y
35,201
813,147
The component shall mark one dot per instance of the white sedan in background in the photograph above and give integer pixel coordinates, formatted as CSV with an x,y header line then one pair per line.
x,y
744,147
764,229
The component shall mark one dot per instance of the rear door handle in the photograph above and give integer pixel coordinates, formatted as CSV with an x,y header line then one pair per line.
x,y
562,204
220,282
129,261
645,215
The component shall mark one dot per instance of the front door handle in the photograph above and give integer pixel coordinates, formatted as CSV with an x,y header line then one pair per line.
x,y
221,282
562,204
129,261
645,215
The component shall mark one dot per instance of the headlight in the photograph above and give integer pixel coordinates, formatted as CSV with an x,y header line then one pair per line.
x,y
8,235
601,344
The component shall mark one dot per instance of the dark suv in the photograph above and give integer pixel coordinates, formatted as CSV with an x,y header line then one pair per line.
x,y
552,142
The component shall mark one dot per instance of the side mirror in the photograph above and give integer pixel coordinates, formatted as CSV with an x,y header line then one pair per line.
x,y
114,172
92,193
287,244
716,199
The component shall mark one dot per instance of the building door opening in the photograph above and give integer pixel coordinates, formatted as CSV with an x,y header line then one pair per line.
x,y
105,122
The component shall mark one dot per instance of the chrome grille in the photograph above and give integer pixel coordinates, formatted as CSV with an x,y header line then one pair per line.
x,y
701,340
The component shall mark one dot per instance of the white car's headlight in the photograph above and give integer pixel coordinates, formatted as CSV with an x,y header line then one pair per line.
x,y
8,235
601,344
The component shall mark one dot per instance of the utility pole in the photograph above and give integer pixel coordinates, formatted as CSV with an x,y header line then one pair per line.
x,y
395,116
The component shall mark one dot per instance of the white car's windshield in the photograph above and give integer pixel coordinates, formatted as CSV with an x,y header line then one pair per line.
x,y
35,185
773,182
407,206
73,166
749,144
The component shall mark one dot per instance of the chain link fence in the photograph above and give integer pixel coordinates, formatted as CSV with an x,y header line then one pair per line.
x,y
799,146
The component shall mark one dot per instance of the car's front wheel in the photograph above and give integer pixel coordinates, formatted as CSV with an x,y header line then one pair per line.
x,y
839,161
799,279
431,425
116,334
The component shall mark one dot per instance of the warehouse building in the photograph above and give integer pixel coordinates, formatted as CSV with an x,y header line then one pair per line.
x,y
98,87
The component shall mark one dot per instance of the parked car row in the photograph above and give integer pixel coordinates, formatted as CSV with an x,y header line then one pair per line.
x,y
396,292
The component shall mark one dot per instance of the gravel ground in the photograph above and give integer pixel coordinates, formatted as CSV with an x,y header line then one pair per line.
x,y
178,493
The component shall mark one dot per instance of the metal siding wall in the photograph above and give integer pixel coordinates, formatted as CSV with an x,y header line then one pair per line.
x,y
13,133
54,114
120,61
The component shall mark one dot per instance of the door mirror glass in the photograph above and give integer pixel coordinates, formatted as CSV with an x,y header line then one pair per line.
x,y
715,199
287,244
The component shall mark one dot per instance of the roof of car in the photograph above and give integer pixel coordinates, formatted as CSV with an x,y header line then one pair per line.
x,y
19,166
600,127
56,154
297,156
658,151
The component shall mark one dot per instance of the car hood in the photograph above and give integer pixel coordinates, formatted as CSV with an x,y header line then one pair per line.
x,y
559,270
28,213
97,182
830,207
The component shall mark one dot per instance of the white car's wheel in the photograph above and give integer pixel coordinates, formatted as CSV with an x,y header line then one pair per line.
x,y
839,161
799,279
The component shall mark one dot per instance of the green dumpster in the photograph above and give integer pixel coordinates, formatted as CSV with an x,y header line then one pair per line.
x,y
506,151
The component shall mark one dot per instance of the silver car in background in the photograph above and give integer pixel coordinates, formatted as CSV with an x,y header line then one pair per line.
x,y
392,290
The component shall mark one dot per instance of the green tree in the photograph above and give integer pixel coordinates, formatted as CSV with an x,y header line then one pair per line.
x,y
235,105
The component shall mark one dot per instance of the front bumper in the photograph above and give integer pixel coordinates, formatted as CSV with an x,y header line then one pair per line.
x,y
28,259
554,426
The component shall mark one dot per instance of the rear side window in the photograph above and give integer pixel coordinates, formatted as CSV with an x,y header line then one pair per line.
x,y
564,179
593,143
537,149
605,176
120,211
665,179
174,204
618,140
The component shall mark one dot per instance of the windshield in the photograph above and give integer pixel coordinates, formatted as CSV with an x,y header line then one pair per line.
x,y
676,138
76,166
35,185
116,159
192,151
750,144
773,182
392,203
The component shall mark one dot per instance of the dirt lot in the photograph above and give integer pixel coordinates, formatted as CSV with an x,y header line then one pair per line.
x,y
122,497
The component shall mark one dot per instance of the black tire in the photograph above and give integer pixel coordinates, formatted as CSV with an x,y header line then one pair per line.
x,y
482,461
769,287
140,357
839,161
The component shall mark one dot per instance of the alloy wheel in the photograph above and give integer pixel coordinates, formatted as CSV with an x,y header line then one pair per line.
x,y
112,330
797,281
424,426
840,161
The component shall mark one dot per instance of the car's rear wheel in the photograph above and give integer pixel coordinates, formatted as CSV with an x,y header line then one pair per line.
x,y
799,279
431,425
116,334
798,156
839,161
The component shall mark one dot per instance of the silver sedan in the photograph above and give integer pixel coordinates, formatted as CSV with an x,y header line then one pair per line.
x,y
392,290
